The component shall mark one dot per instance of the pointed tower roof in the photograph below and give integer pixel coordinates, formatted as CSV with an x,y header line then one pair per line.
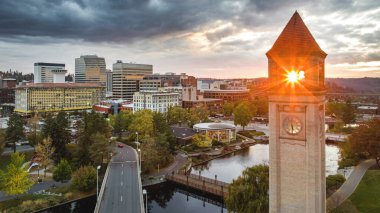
x,y
295,40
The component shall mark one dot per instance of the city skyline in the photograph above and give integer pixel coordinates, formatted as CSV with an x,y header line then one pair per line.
x,y
201,39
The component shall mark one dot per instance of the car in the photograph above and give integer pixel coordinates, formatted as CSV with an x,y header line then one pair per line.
x,y
120,145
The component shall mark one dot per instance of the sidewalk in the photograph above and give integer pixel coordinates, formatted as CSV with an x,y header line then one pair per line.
x,y
350,185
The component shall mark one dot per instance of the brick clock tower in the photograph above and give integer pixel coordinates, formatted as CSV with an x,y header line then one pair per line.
x,y
296,121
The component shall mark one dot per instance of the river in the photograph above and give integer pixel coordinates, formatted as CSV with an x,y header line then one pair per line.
x,y
172,198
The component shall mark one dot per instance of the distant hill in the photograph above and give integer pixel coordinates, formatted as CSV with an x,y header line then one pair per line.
x,y
371,85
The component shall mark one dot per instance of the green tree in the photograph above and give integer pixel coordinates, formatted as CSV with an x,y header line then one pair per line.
x,y
84,179
155,152
45,152
228,109
62,172
162,129
348,114
15,180
2,141
121,121
177,115
99,148
335,108
57,129
15,130
262,107
249,192
201,140
92,123
366,139
242,114
142,123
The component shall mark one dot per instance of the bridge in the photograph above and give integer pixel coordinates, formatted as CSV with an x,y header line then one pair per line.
x,y
212,186
121,189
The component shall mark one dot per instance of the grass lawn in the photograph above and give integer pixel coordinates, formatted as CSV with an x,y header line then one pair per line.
x,y
366,197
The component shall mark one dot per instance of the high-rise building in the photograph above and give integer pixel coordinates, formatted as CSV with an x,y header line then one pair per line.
x,y
109,81
126,77
90,69
43,71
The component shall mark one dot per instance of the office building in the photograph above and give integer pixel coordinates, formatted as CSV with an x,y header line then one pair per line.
x,y
126,78
155,100
43,71
90,69
54,97
227,95
109,82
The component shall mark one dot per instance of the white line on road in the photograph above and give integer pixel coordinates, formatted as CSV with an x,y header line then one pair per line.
x,y
122,165
121,198
122,172
121,183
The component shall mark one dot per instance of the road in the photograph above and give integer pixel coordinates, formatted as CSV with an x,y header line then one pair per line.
x,y
24,148
122,193
349,185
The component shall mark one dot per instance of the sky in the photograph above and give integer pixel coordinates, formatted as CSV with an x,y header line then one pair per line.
x,y
204,38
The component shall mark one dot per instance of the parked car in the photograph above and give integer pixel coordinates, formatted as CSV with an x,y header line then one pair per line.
x,y
120,145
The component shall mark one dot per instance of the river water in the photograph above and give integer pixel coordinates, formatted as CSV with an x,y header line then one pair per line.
x,y
172,198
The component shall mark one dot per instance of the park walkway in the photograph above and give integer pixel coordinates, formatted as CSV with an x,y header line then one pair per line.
x,y
349,185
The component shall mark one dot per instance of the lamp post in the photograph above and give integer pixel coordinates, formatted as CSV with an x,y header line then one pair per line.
x,y
138,150
97,183
146,200
139,155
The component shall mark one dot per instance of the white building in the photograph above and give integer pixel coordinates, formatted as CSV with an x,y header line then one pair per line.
x,y
90,69
43,71
155,100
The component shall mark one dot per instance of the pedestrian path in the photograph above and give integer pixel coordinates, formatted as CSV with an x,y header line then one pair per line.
x,y
350,185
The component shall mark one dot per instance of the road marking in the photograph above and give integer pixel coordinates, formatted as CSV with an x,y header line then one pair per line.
x,y
121,183
122,172
122,165
121,198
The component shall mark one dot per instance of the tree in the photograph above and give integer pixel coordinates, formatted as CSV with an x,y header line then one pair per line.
x,y
202,140
99,148
15,130
366,139
262,107
121,121
177,115
84,179
45,152
228,109
2,141
334,108
92,123
15,180
142,123
242,114
155,152
348,114
249,192
62,172
57,129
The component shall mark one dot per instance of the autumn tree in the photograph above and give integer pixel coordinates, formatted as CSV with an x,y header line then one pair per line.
x,y
15,180
201,140
177,115
366,139
242,114
84,179
45,151
142,123
228,109
249,192
15,130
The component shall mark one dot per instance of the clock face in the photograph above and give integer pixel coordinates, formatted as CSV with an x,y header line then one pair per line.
x,y
292,125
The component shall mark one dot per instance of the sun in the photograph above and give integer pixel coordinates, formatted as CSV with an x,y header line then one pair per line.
x,y
294,76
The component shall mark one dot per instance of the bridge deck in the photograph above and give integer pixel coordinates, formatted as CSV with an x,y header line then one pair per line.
x,y
208,185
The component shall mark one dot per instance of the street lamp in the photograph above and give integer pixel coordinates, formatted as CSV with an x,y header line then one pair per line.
x,y
138,150
139,155
97,182
146,200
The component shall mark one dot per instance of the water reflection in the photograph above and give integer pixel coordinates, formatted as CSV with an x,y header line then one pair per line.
x,y
230,167
86,205
173,198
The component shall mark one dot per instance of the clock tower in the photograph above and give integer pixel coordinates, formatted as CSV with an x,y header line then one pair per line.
x,y
296,121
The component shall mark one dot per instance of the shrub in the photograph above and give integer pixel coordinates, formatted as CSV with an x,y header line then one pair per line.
x,y
84,179
62,172
335,180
